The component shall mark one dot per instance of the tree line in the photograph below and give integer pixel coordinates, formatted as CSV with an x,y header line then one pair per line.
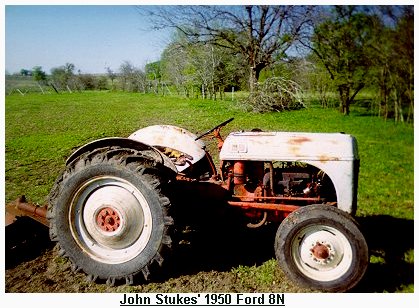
x,y
275,53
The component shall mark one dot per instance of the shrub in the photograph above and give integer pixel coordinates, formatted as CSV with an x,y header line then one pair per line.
x,y
274,94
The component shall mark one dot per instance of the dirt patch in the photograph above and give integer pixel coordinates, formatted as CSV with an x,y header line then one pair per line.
x,y
215,261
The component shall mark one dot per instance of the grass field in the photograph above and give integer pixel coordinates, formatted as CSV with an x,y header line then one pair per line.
x,y
43,130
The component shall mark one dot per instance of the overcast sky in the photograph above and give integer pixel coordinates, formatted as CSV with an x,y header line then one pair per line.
x,y
90,37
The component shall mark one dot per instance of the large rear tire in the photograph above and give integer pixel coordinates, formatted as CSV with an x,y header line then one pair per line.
x,y
109,215
320,247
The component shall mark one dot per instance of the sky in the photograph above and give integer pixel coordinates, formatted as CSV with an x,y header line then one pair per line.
x,y
91,37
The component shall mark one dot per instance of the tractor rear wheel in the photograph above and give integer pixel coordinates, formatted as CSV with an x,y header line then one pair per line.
x,y
109,215
320,247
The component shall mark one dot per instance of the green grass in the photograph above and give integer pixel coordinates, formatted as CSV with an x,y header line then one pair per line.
x,y
43,130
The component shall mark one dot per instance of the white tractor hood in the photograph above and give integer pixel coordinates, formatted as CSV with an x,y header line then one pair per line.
x,y
284,146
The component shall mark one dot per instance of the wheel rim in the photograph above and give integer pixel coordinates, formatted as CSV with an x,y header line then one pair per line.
x,y
322,253
110,219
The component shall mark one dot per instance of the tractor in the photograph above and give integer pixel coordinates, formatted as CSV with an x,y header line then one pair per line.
x,y
114,208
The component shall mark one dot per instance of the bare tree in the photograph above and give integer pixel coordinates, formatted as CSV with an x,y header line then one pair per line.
x,y
261,34
132,79
111,74
174,65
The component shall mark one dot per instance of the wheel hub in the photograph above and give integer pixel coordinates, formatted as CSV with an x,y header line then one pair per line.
x,y
322,252
111,219
108,219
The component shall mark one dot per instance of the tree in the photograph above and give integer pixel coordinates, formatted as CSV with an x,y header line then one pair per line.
x,y
153,71
63,76
174,67
111,74
86,82
153,74
343,43
126,73
199,68
25,72
403,65
394,64
132,79
38,74
260,34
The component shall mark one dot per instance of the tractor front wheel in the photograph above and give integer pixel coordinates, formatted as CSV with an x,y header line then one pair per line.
x,y
320,247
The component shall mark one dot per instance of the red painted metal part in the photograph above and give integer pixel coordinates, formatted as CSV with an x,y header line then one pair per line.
x,y
264,206
211,163
239,173
20,208
320,251
108,219
317,199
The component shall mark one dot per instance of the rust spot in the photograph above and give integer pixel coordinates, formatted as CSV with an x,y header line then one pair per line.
x,y
108,219
20,207
295,150
299,140
320,251
325,158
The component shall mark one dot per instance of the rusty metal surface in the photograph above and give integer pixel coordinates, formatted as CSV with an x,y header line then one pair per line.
x,y
264,206
239,172
9,218
20,207
320,251
108,219
280,198
285,146
333,153
173,137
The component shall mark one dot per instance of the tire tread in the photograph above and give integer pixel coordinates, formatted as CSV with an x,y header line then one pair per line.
x,y
151,173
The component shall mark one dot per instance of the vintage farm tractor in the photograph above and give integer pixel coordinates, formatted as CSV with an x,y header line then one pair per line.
x,y
113,210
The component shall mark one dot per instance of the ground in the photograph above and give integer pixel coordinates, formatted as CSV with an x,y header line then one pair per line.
x,y
215,260
240,261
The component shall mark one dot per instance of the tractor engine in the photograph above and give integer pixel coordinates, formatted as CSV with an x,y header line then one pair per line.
x,y
269,191
282,171
286,181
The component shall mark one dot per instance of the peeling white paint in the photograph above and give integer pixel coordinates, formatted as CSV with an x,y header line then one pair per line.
x,y
172,137
334,153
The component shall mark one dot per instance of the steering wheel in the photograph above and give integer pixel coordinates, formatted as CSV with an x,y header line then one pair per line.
x,y
214,128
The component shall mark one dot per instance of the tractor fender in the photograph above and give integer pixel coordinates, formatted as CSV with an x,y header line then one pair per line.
x,y
151,152
172,137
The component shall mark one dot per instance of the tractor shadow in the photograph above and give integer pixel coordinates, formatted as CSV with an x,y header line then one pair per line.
x,y
220,241
222,246
211,236
389,240
25,240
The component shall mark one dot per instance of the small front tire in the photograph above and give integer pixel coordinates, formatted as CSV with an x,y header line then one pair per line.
x,y
320,247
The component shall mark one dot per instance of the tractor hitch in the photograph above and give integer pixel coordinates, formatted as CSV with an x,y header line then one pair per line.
x,y
21,208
